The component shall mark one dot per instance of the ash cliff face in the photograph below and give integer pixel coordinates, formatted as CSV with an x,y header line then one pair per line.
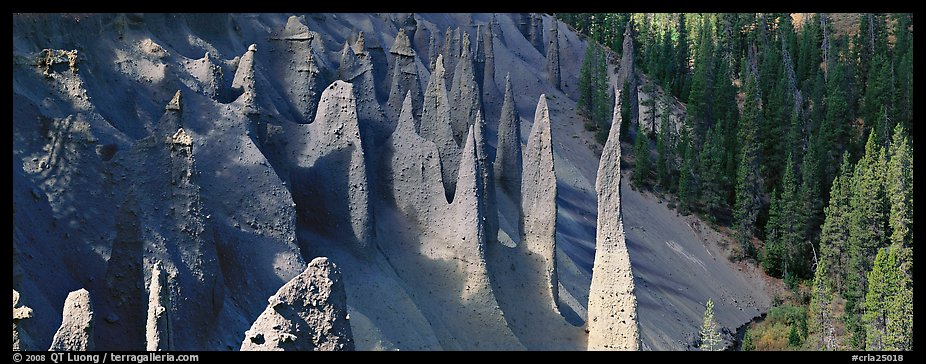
x,y
378,148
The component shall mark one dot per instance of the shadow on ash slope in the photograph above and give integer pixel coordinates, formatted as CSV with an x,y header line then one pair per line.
x,y
389,144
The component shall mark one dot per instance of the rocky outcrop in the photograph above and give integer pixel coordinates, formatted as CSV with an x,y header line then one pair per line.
x,y
451,51
297,64
435,126
413,166
490,93
508,153
404,78
209,75
486,179
523,22
245,83
433,52
19,313
172,118
627,73
309,313
612,303
553,70
177,232
325,159
158,336
357,69
535,31
76,331
465,97
538,201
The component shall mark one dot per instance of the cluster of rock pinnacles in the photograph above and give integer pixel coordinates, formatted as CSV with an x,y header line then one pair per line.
x,y
433,144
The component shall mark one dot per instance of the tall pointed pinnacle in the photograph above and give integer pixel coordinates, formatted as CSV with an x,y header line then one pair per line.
x,y
490,93
508,154
553,70
627,73
404,78
359,44
76,331
435,126
464,94
536,31
308,313
412,169
538,203
357,69
451,52
245,83
158,335
300,67
402,45
172,118
612,302
486,179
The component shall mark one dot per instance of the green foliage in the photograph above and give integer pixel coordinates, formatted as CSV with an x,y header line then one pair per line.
x,y
665,159
794,338
772,255
888,314
747,344
783,327
625,111
821,333
867,227
899,185
710,337
686,187
641,154
594,104
748,180
835,232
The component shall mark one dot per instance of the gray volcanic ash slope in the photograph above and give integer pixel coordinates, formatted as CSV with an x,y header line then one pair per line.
x,y
174,172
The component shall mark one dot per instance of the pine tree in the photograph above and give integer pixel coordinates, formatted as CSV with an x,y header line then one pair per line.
x,y
700,96
710,338
821,330
789,224
711,173
641,155
883,283
794,338
748,180
681,87
772,260
835,232
686,188
835,129
867,230
875,106
625,111
811,206
748,345
899,185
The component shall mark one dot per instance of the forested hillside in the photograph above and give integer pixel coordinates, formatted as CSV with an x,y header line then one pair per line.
x,y
797,139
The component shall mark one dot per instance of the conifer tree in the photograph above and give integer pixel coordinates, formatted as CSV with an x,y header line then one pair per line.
x,y
748,180
710,338
821,332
